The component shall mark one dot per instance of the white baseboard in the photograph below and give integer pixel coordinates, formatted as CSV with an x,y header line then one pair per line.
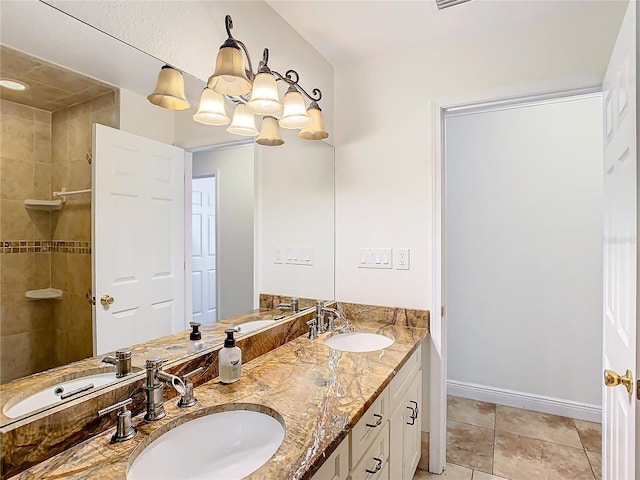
x,y
527,401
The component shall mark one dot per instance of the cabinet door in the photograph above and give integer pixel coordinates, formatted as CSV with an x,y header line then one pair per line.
x,y
373,463
336,467
411,438
396,438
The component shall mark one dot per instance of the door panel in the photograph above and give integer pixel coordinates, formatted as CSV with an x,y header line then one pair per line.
x,y
138,246
620,252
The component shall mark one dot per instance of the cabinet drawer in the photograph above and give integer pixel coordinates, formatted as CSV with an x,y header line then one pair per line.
x,y
374,462
405,376
369,426
336,467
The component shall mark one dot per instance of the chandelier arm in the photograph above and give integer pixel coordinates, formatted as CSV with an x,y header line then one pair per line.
x,y
250,74
228,24
289,78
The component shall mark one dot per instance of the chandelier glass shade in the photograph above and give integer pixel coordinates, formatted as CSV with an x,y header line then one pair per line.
x,y
243,122
264,95
169,91
315,130
270,133
211,110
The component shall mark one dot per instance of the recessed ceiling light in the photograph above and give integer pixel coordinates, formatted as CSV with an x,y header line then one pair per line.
x,y
13,84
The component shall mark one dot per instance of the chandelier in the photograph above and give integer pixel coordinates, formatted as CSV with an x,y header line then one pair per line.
x,y
252,94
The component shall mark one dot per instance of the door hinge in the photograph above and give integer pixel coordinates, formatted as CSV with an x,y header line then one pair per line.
x,y
638,389
442,311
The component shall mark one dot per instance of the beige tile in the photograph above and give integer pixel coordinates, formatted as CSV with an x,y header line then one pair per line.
x,y
41,270
60,224
423,463
550,428
15,356
42,186
41,222
16,138
17,273
18,315
17,110
59,271
521,458
15,220
79,179
470,446
62,347
42,143
79,273
108,117
17,179
59,176
595,459
59,139
42,116
103,102
14,63
478,475
473,412
60,309
79,132
63,79
452,472
590,434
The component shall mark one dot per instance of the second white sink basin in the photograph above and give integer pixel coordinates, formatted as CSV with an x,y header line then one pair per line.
x,y
358,342
219,446
51,395
248,327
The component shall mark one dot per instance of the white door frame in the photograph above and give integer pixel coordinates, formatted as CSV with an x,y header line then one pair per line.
x,y
438,359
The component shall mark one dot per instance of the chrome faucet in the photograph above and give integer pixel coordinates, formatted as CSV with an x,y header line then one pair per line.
x,y
294,305
122,361
334,315
124,428
154,387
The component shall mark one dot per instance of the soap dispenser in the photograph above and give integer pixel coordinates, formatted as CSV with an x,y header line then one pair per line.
x,y
195,338
230,359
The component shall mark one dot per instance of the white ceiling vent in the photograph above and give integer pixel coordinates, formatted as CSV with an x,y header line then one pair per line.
x,y
448,3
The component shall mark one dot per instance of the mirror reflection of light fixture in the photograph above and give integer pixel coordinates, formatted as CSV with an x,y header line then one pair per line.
x,y
256,93
243,122
270,132
169,91
315,130
211,109
294,114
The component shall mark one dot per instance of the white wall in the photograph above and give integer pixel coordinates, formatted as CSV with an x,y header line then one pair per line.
x,y
234,170
524,248
140,117
384,146
295,191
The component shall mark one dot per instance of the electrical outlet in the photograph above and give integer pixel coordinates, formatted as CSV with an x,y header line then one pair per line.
x,y
402,258
277,255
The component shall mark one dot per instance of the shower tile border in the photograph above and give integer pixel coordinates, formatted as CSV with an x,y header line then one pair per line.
x,y
47,246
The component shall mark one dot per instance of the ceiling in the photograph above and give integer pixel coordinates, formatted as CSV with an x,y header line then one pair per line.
x,y
51,87
347,30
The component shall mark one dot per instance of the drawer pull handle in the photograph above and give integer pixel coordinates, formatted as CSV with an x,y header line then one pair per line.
x,y
378,421
414,413
377,467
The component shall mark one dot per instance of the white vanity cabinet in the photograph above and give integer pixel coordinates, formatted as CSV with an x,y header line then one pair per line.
x,y
385,443
405,420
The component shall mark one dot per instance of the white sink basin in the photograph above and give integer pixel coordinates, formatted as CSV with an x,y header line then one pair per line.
x,y
248,327
48,397
220,446
358,342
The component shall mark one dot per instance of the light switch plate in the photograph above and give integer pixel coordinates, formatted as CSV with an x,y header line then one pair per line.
x,y
375,258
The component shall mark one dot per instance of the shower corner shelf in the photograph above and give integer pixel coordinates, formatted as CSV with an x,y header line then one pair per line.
x,y
43,294
46,205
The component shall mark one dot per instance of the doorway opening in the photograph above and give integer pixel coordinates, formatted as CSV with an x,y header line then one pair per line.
x,y
511,228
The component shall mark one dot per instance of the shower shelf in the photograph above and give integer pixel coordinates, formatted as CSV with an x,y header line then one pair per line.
x,y
43,294
46,205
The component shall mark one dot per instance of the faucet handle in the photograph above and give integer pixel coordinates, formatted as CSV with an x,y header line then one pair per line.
x,y
187,399
154,362
124,426
313,329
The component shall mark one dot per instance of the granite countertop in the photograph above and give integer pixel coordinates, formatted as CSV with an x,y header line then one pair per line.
x,y
319,393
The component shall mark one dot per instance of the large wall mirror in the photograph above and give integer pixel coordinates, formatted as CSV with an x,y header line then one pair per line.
x,y
271,209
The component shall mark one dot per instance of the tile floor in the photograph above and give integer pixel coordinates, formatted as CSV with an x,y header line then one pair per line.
x,y
492,442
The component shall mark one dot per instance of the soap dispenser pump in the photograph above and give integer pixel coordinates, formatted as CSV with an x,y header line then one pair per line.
x,y
195,338
230,359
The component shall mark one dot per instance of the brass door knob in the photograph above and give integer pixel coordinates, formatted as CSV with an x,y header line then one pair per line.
x,y
106,300
613,379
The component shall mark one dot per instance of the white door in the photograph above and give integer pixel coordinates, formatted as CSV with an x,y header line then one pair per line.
x,y
138,239
620,253
203,249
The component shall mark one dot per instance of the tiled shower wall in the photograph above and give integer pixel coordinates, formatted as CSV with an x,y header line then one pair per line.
x,y
37,335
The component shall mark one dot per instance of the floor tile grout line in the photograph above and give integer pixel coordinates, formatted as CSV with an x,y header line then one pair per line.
x,y
584,448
